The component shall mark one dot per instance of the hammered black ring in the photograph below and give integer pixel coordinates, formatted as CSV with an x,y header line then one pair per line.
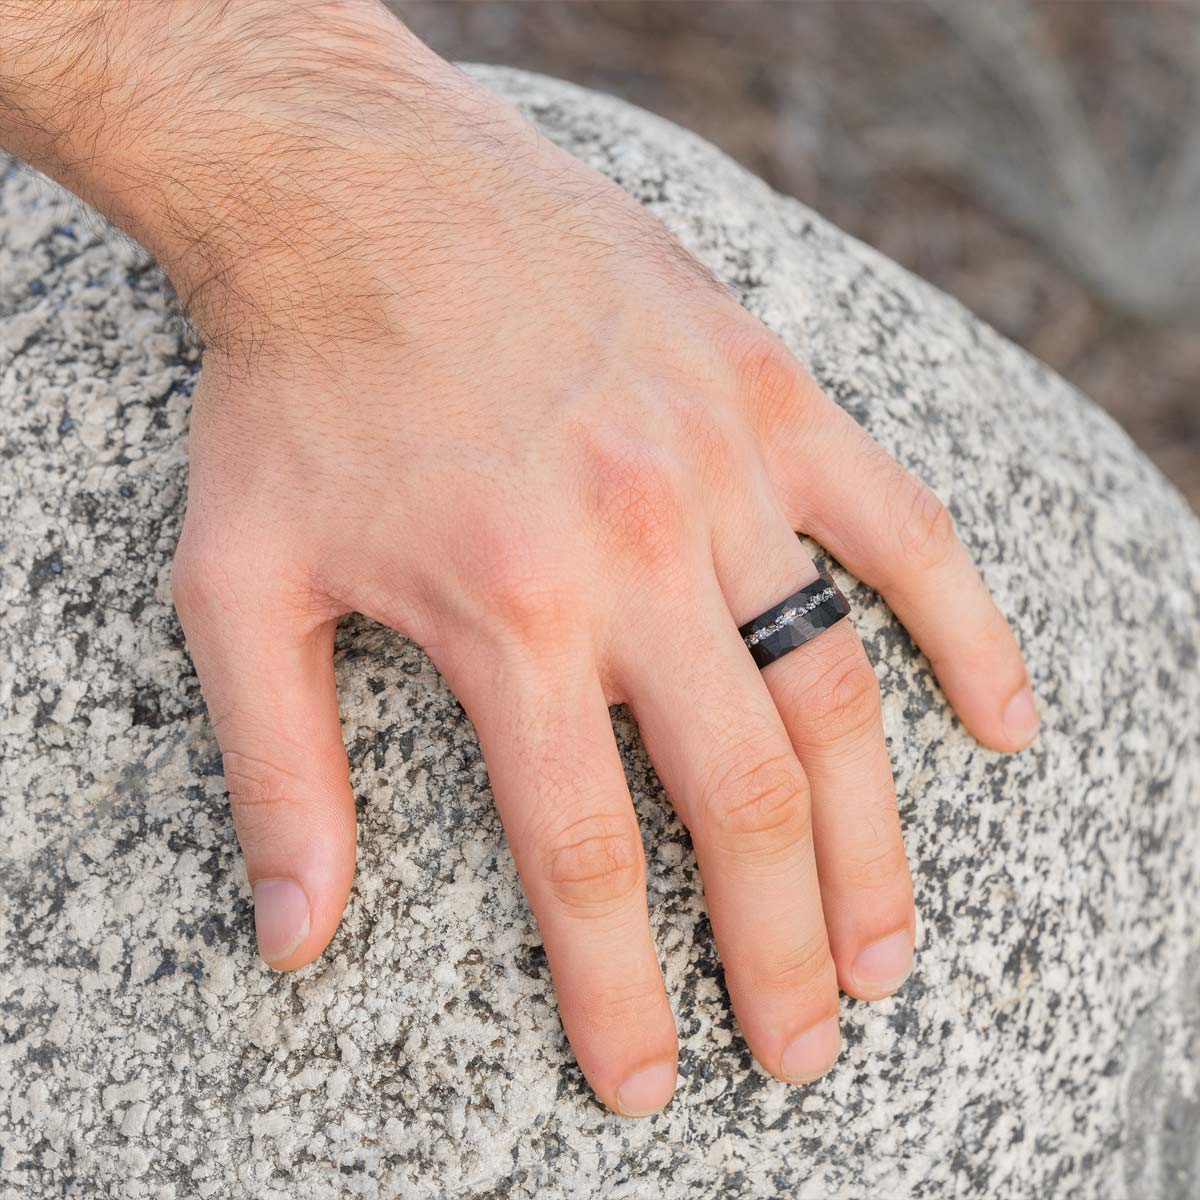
x,y
794,621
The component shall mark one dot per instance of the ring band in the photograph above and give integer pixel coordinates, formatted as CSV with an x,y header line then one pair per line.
x,y
794,621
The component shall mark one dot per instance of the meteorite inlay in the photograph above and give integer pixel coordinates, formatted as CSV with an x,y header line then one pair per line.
x,y
794,621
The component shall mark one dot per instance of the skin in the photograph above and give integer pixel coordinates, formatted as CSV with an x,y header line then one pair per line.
x,y
459,382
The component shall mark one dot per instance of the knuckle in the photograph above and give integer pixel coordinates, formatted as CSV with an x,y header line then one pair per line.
x,y
806,969
259,792
533,610
883,871
841,702
762,809
638,1004
594,864
525,595
924,528
769,379
199,580
212,579
636,495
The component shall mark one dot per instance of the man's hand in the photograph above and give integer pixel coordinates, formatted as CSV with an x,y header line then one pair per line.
x,y
461,383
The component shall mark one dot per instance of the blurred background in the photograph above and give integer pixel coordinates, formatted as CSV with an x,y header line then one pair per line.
x,y
1040,161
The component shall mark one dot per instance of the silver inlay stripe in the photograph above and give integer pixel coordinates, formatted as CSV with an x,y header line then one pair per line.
x,y
789,616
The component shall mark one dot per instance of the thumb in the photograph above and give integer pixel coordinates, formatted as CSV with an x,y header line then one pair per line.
x,y
272,700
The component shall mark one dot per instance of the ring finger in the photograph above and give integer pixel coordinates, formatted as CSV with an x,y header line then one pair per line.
x,y
724,757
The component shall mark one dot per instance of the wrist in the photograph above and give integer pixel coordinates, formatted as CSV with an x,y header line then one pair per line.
x,y
264,152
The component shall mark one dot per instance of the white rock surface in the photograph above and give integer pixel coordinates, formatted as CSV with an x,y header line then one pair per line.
x,y
1047,1043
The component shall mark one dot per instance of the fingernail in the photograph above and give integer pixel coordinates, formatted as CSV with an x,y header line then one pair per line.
x,y
812,1053
1021,717
280,917
883,966
647,1090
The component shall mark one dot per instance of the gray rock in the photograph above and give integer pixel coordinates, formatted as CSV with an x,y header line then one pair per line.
x,y
1047,1042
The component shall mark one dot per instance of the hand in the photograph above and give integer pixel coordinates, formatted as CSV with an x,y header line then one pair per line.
x,y
470,389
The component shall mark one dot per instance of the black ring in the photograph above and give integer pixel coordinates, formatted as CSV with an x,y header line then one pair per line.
x,y
794,621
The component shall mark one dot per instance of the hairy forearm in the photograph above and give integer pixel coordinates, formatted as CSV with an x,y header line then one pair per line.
x,y
51,57
235,138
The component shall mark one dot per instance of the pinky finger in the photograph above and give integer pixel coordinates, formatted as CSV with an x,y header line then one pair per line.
x,y
891,531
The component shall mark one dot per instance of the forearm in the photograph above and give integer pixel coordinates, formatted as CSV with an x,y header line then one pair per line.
x,y
228,137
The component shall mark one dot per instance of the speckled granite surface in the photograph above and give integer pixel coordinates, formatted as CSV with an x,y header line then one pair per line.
x,y
1047,1043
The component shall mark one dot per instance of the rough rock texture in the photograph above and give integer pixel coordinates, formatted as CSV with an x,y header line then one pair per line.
x,y
1047,1042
